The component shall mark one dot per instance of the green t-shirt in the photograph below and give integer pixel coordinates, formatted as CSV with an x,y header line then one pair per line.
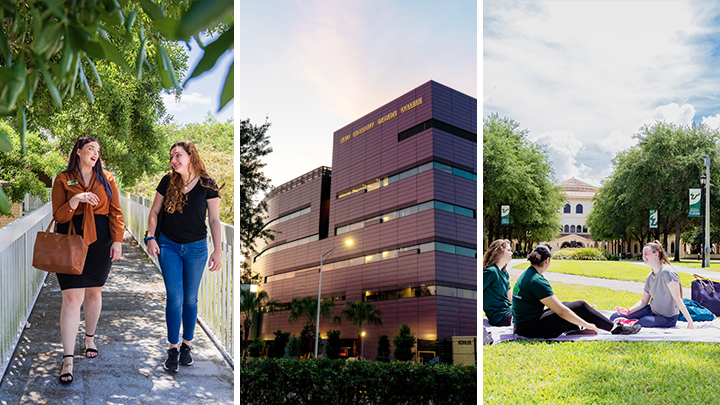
x,y
496,284
529,289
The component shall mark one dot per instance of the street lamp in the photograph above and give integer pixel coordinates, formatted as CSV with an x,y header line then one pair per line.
x,y
703,181
362,345
317,319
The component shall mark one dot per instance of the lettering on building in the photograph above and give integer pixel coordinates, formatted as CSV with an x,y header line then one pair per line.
x,y
387,117
381,120
410,106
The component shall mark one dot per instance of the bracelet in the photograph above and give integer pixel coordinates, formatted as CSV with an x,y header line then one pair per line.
x,y
147,238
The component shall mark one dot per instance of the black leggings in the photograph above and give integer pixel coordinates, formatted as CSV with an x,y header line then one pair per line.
x,y
551,325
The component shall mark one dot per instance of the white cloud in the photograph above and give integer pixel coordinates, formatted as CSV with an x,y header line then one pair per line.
x,y
617,141
712,121
673,113
187,102
563,147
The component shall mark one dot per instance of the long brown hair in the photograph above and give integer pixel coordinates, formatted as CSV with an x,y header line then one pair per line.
x,y
657,247
74,164
495,250
175,198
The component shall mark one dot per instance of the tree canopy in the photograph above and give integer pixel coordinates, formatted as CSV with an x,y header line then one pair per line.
x,y
51,50
518,173
656,174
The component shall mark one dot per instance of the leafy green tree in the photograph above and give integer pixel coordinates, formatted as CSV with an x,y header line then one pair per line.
x,y
59,43
383,349
655,174
277,350
404,342
254,145
360,313
256,348
518,173
294,347
250,305
332,349
306,308
20,169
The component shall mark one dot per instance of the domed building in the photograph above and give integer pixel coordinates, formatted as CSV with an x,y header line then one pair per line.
x,y
574,232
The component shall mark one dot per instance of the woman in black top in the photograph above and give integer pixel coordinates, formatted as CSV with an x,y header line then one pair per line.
x,y
179,243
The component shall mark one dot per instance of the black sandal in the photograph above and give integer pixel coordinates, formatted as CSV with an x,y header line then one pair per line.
x,y
87,351
66,382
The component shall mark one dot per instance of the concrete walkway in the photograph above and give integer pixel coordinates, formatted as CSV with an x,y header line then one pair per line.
x,y
632,286
131,338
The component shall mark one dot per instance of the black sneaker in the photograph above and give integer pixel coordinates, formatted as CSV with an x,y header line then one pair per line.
x,y
630,329
185,356
171,364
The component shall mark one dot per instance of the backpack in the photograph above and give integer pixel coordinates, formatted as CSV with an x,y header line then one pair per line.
x,y
697,312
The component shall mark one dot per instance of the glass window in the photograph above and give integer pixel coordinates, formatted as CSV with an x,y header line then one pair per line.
x,y
344,194
427,247
442,167
372,219
425,206
462,251
373,186
389,254
315,238
439,205
293,244
425,167
406,293
328,267
446,291
408,173
566,209
384,182
407,211
358,225
341,265
462,173
464,211
393,179
467,294
373,258
444,247
356,261
280,248
405,249
342,230
579,209
426,291
389,216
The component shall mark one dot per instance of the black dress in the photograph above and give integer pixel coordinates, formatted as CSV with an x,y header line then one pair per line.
x,y
97,263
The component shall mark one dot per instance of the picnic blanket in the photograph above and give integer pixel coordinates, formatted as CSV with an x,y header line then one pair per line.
x,y
704,332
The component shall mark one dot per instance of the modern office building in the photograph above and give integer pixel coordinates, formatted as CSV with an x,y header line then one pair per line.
x,y
403,188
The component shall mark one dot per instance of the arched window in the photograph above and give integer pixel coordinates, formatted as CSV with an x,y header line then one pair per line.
x,y
584,229
579,229
567,229
572,229
672,247
566,210
578,209
635,248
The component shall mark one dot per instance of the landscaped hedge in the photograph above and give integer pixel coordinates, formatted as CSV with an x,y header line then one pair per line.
x,y
325,381
581,254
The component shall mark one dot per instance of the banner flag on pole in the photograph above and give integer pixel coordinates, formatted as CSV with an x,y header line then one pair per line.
x,y
653,218
694,202
504,215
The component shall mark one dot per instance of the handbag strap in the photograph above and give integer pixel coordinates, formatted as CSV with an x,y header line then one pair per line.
x,y
706,283
70,232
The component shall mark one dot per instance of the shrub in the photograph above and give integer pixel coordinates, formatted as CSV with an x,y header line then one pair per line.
x,y
580,254
332,349
294,347
404,341
307,338
383,348
256,347
277,350
325,381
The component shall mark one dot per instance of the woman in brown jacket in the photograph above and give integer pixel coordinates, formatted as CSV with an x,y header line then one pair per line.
x,y
87,195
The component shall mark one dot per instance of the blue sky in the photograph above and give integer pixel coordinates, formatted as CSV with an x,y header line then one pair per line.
x,y
314,66
583,77
202,94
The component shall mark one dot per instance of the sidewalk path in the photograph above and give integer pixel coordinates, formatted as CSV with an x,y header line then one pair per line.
x,y
131,339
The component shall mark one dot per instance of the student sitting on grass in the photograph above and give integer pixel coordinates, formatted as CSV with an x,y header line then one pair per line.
x,y
532,292
497,296
663,286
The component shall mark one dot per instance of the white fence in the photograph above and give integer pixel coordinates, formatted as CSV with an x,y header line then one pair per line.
x,y
20,283
215,301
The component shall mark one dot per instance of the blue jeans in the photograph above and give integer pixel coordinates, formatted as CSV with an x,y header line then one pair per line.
x,y
182,267
648,319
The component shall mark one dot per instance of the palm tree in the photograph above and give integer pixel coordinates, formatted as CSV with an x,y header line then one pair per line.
x,y
251,304
306,308
360,313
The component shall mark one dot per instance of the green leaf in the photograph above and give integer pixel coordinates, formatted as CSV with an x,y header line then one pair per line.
x,y
55,10
213,52
228,92
94,50
113,55
31,85
4,48
168,27
167,71
5,144
86,86
140,59
95,72
112,18
203,14
130,20
48,38
4,203
66,59
54,94
6,75
153,10
23,127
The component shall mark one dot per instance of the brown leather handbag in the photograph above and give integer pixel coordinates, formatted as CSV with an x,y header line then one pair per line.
x,y
59,253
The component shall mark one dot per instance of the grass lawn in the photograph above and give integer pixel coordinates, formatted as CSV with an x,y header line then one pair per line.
x,y
696,264
606,269
524,372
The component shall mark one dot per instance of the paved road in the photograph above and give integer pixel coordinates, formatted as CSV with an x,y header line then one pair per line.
x,y
633,286
131,339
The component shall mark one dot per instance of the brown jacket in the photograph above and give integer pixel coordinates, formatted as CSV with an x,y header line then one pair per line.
x,y
68,184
